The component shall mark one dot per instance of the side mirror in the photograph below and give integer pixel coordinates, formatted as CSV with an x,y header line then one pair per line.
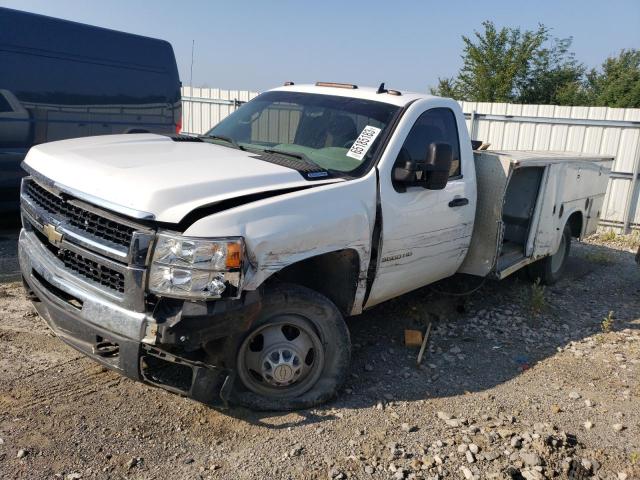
x,y
438,165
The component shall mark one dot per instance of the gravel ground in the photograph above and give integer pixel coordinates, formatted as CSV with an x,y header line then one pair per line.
x,y
518,383
9,268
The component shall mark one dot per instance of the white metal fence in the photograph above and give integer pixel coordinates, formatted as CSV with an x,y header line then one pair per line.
x,y
598,130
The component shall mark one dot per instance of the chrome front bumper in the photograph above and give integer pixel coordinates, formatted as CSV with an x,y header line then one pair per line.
x,y
95,309
118,338
76,313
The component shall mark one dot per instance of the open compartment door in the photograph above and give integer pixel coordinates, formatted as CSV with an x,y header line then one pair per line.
x,y
492,174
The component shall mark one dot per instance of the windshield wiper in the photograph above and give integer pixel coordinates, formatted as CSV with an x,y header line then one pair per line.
x,y
224,138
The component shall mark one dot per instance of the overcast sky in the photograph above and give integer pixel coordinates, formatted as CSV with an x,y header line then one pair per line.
x,y
259,44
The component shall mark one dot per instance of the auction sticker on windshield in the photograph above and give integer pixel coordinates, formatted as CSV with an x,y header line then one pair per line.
x,y
363,143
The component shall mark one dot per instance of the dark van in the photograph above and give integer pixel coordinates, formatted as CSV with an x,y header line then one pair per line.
x,y
61,79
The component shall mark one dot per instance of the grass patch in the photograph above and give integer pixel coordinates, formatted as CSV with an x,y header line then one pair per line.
x,y
608,236
537,300
601,258
608,323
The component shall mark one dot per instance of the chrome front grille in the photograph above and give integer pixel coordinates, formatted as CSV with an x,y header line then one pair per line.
x,y
84,220
85,267
93,270
103,251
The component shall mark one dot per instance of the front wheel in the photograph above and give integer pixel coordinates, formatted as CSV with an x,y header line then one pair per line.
x,y
296,354
550,269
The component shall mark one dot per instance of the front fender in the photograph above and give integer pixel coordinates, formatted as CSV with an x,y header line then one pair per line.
x,y
288,228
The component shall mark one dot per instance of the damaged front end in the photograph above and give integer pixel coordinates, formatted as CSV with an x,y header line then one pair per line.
x,y
184,350
87,272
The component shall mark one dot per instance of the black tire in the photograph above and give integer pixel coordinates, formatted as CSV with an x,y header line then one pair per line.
x,y
550,269
321,317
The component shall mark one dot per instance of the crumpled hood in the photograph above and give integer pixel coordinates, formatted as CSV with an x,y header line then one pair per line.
x,y
157,175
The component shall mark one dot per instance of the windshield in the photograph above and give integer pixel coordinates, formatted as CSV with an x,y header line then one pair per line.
x,y
336,133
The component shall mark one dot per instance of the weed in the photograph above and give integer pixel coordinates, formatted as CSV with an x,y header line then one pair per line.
x,y
608,236
634,457
537,299
607,323
601,258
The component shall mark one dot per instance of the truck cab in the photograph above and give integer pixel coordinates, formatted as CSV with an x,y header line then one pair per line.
x,y
222,266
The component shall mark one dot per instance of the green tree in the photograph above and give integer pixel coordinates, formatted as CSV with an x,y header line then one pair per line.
x,y
446,88
618,84
554,76
512,65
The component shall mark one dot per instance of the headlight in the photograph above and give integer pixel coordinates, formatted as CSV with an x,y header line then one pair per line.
x,y
197,268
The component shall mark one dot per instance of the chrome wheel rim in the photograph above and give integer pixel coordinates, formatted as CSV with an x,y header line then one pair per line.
x,y
558,258
282,358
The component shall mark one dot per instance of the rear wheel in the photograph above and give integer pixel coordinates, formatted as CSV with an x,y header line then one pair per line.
x,y
550,269
296,355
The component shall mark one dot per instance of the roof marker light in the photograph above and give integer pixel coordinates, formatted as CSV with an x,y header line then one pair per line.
x,y
350,86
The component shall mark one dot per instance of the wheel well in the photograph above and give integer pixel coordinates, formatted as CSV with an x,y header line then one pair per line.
x,y
333,274
575,224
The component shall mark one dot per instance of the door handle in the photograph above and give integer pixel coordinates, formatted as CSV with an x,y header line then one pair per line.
x,y
458,202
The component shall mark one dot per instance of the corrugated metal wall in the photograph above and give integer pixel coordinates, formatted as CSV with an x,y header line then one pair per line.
x,y
202,108
599,130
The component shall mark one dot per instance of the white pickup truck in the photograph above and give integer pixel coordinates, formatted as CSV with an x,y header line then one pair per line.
x,y
221,267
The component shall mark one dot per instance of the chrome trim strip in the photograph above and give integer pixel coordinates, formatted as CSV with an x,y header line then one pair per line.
x,y
136,253
129,212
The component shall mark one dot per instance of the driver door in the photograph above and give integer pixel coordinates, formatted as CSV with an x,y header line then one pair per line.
x,y
425,233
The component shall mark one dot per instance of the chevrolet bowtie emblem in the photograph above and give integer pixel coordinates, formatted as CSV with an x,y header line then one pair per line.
x,y
52,234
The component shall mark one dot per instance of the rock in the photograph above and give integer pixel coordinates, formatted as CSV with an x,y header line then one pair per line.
x,y
462,448
556,408
470,457
416,464
491,456
427,462
473,448
454,422
133,462
1,441
399,475
588,425
587,464
405,427
73,476
516,442
468,474
296,450
588,403
444,416
531,475
22,453
574,395
368,367
618,427
369,469
336,474
622,476
530,459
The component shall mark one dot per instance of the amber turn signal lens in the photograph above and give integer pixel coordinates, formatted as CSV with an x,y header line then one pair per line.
x,y
234,255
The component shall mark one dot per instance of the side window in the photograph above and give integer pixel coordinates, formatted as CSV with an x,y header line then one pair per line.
x,y
4,105
435,125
